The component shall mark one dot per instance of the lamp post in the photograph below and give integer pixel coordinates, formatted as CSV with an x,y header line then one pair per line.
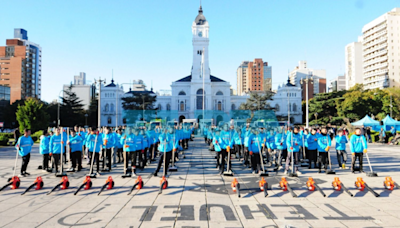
x,y
311,80
391,106
86,115
316,117
99,81
58,109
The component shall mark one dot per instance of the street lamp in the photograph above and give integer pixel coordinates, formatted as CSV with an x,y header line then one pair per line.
x,y
58,109
99,81
311,80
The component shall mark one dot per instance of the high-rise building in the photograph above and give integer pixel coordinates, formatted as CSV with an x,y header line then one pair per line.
x,y
20,66
80,79
83,91
337,84
299,77
254,76
381,51
353,64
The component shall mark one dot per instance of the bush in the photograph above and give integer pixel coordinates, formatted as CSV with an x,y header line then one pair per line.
x,y
8,135
35,136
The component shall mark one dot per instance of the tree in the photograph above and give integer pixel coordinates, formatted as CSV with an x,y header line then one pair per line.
x,y
324,104
32,115
93,113
71,110
10,119
257,101
138,101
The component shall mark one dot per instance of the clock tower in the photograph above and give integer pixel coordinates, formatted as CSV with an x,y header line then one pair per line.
x,y
200,41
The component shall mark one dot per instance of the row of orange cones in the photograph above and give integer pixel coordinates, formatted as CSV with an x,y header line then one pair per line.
x,y
311,186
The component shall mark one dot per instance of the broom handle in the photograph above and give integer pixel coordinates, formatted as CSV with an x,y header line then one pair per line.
x,y
329,155
62,150
16,159
165,155
93,153
369,163
262,161
124,150
292,152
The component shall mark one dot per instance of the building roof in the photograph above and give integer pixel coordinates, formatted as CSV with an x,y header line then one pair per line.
x,y
200,19
288,84
189,79
140,92
111,84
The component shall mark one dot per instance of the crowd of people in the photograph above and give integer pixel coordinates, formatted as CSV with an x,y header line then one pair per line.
x,y
285,147
275,145
137,145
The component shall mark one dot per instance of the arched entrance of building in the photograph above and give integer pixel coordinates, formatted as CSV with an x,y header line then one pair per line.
x,y
219,119
181,118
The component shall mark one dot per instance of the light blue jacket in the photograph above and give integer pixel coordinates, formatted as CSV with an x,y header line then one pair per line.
x,y
128,143
323,142
75,143
280,141
225,140
358,144
110,140
91,140
312,144
255,143
216,140
44,145
340,142
297,142
25,145
55,144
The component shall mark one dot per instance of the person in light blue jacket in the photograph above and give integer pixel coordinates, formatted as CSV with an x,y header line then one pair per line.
x,y
358,146
146,145
293,142
44,150
270,144
24,147
128,142
93,143
139,149
255,148
75,143
119,146
246,132
56,146
109,142
217,148
324,144
341,141
280,142
238,142
312,146
167,144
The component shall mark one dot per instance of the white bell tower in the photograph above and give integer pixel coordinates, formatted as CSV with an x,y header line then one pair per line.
x,y
200,41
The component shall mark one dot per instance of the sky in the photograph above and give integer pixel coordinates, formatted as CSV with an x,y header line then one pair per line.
x,y
152,40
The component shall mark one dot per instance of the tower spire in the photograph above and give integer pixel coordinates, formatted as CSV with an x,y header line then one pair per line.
x,y
200,9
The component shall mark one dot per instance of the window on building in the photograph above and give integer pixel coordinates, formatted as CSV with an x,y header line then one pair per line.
x,y
107,108
112,107
199,99
159,107
168,107
294,107
109,120
182,106
219,106
219,93
277,107
233,107
182,93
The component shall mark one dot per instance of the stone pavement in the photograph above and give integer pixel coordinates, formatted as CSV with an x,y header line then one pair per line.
x,y
198,197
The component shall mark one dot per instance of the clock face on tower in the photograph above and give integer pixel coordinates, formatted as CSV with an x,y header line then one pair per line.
x,y
200,34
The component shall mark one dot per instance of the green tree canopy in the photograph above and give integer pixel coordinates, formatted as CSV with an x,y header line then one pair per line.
x,y
32,115
71,111
257,101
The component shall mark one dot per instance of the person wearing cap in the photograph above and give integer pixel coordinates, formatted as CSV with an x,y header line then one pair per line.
x,y
108,143
55,147
312,146
128,142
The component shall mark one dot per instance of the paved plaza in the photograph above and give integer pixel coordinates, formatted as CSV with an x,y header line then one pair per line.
x,y
198,197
